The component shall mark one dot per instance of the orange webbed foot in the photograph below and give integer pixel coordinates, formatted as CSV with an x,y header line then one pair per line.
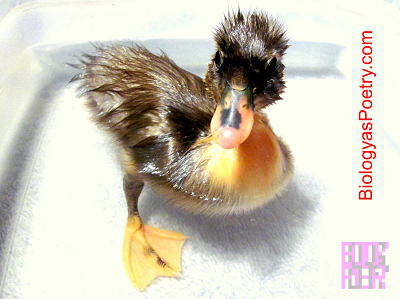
x,y
149,252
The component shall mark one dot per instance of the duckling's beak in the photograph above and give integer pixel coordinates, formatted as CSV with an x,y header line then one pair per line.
x,y
234,117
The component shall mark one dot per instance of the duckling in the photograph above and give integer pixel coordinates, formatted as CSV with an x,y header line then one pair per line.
x,y
204,144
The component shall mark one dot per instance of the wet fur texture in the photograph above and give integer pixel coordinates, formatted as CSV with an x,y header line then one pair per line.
x,y
250,48
160,114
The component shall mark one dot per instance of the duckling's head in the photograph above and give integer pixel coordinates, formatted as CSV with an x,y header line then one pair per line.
x,y
246,73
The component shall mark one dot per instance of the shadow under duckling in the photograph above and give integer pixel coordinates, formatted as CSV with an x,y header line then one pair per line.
x,y
203,143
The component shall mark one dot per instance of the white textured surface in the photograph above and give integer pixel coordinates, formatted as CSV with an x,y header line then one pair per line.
x,y
64,186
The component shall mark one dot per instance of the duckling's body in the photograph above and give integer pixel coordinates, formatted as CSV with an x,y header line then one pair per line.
x,y
160,116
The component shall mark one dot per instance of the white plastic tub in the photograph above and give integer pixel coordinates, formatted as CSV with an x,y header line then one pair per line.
x,y
62,207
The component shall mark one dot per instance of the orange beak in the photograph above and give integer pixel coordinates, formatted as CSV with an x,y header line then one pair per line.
x,y
234,117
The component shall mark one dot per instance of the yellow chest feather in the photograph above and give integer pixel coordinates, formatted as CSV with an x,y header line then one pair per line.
x,y
252,169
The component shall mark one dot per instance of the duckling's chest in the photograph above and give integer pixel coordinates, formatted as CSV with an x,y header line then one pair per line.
x,y
253,168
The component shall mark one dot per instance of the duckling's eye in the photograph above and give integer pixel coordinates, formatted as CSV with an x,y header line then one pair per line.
x,y
256,65
271,68
218,59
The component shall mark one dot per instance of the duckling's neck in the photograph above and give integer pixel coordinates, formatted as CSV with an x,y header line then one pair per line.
x,y
252,169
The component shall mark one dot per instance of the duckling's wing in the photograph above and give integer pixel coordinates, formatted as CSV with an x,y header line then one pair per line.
x,y
135,95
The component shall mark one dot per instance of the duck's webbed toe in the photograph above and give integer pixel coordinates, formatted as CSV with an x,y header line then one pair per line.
x,y
149,252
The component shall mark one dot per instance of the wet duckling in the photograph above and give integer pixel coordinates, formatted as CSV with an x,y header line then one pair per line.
x,y
204,144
